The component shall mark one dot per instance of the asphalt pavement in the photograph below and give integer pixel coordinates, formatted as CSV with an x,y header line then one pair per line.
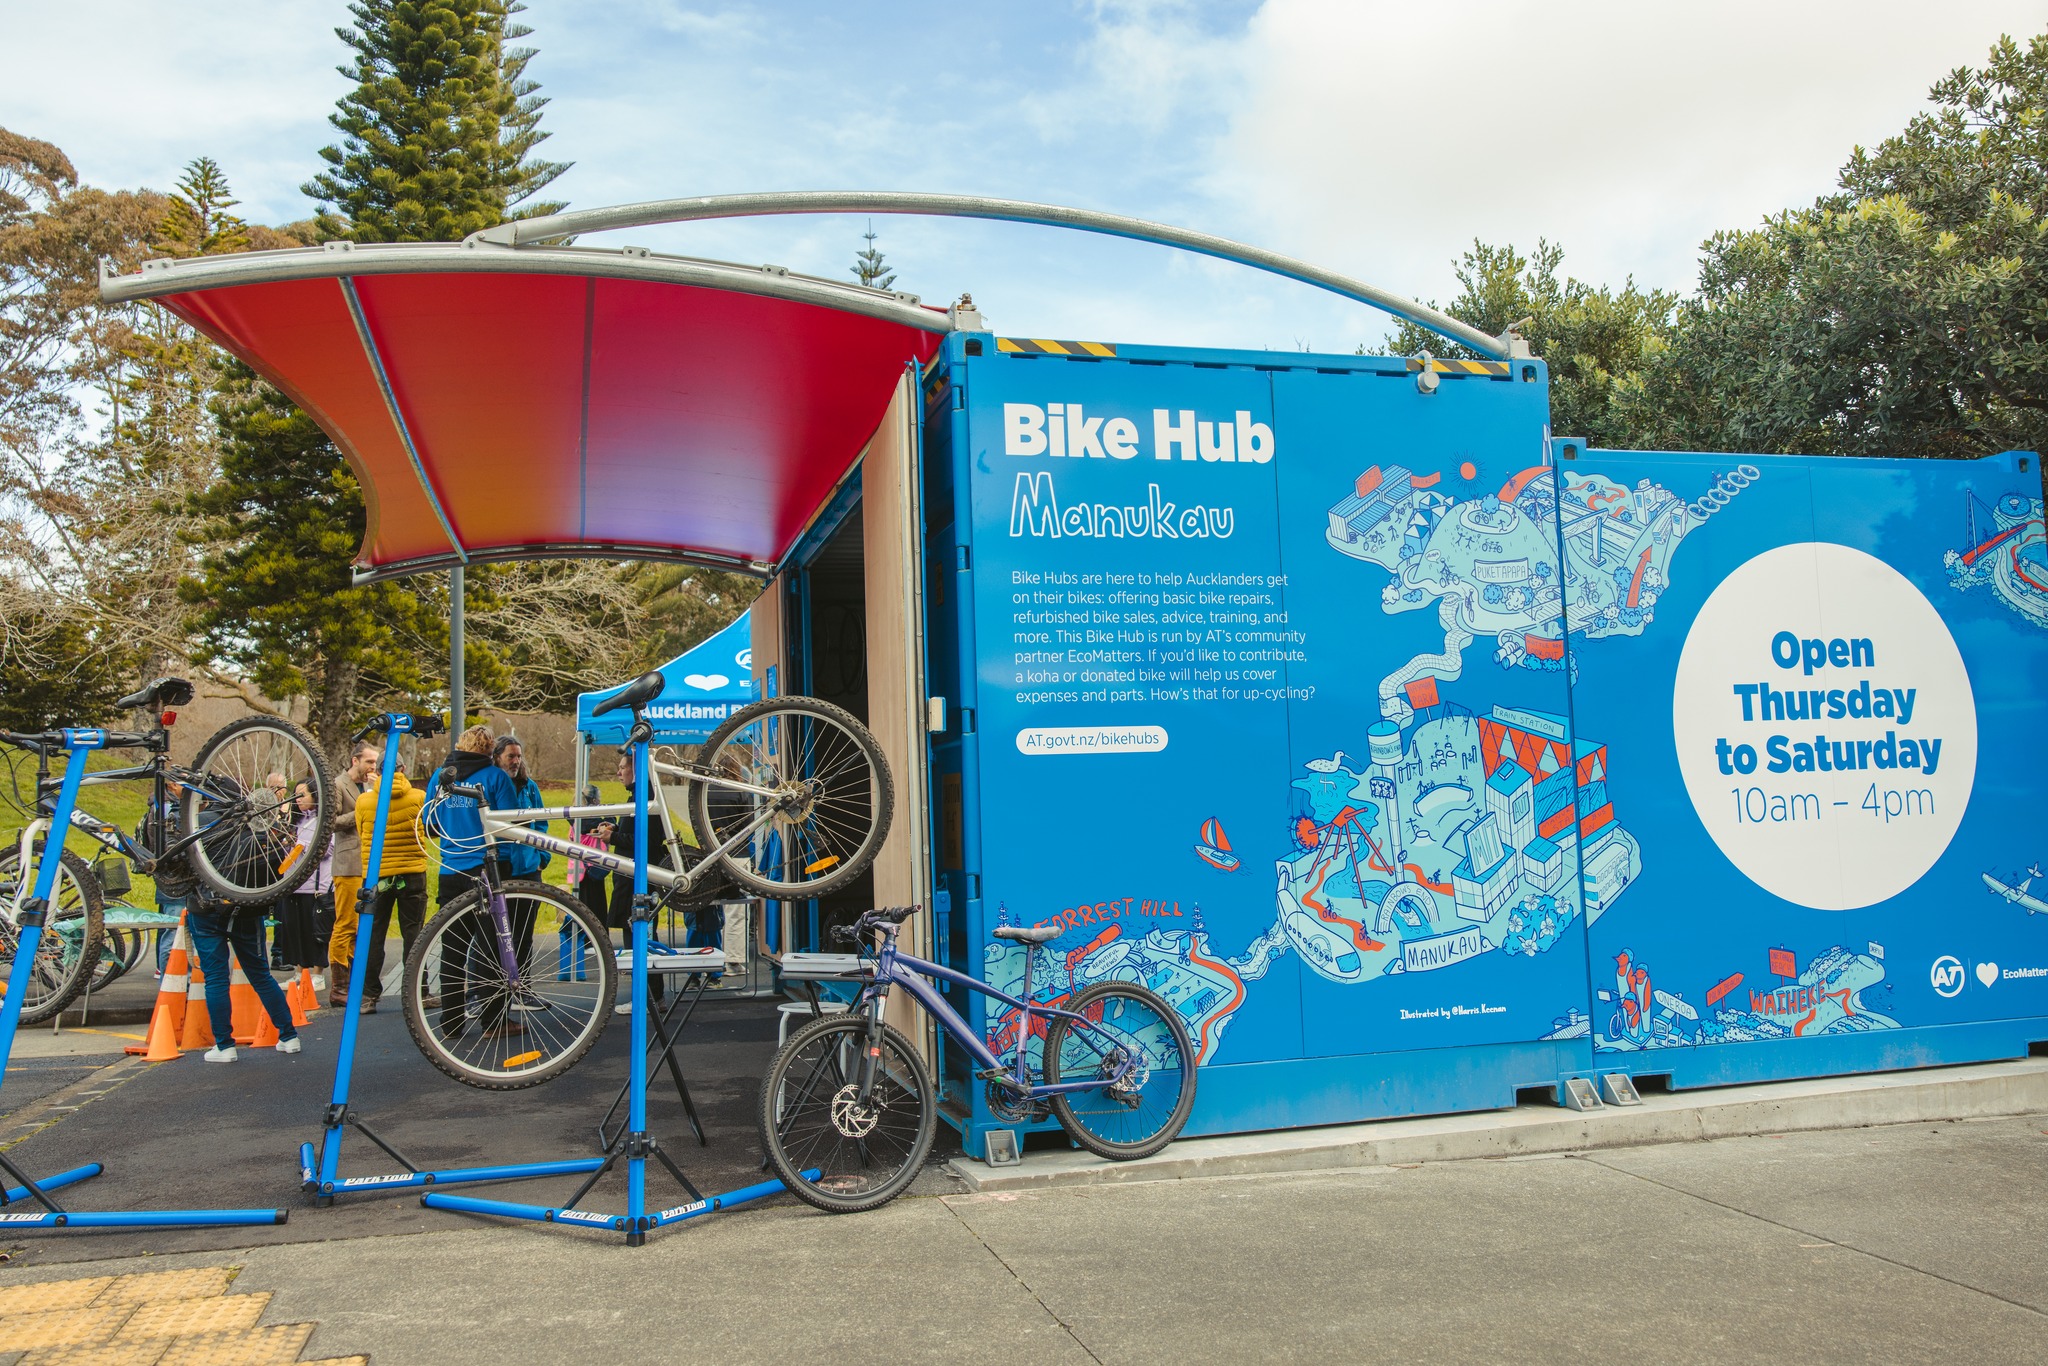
x,y
195,1135
1904,1244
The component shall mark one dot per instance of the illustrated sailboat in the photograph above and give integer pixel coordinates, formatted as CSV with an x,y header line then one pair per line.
x,y
2021,895
1214,847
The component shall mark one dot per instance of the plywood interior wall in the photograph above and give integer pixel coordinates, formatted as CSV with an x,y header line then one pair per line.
x,y
896,694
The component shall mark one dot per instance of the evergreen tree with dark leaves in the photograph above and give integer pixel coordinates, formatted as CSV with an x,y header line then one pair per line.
x,y
439,134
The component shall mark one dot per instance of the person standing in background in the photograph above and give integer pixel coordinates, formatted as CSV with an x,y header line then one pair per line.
x,y
522,860
359,777
298,915
401,881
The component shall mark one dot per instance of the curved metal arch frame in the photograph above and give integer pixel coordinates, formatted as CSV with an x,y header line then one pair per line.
x,y
520,232
345,260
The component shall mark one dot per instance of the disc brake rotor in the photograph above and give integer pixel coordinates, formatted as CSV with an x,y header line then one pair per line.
x,y
849,1116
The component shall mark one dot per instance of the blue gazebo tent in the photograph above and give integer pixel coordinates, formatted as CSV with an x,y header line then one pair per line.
x,y
706,684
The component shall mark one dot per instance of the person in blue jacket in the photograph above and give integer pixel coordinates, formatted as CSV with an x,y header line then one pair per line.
x,y
460,824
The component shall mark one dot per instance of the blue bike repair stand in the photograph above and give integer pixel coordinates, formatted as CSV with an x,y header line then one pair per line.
x,y
634,1145
320,1172
30,924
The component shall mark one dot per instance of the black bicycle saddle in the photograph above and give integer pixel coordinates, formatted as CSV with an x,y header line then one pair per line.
x,y
1029,934
635,695
165,692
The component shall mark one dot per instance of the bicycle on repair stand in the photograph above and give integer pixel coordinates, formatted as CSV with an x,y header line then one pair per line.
x,y
790,798
848,1110
229,820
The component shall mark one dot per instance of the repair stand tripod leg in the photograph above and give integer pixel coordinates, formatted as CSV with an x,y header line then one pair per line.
x,y
29,927
670,1031
319,1171
637,1146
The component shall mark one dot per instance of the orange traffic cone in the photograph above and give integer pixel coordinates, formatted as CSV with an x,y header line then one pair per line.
x,y
296,999
198,1024
309,999
266,1028
243,1004
168,1019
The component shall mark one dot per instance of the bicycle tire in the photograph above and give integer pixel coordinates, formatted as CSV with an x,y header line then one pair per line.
x,y
1172,1065
462,1050
59,973
846,820
259,831
821,1051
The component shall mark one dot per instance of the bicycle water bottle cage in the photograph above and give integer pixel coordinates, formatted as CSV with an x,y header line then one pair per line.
x,y
634,695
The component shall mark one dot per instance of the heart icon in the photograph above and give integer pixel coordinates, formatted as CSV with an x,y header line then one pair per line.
x,y
706,682
1987,973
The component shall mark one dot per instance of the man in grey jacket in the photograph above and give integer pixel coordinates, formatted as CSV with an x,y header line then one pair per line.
x,y
359,777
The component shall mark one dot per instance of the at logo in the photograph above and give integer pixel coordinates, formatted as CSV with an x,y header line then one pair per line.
x,y
1946,976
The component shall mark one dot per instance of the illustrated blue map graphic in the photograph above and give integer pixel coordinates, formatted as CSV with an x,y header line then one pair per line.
x,y
1490,565
2004,547
1457,834
1826,997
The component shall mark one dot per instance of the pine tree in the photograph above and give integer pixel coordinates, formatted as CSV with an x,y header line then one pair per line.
x,y
439,134
869,267
198,222
274,599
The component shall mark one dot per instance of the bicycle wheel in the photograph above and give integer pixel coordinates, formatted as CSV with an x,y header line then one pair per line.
x,y
812,1120
831,805
239,792
70,947
1136,1043
484,1029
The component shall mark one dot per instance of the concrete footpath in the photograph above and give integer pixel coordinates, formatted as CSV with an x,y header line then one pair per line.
x,y
1900,1244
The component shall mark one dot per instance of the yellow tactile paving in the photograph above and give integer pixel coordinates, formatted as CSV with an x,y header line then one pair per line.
x,y
112,1353
157,1318
180,1318
59,1327
41,1295
198,1283
278,1345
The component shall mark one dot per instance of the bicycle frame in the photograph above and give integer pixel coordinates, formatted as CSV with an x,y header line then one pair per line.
x,y
511,827
158,771
893,967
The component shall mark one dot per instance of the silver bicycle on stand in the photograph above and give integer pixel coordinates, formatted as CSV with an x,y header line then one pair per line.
x,y
789,798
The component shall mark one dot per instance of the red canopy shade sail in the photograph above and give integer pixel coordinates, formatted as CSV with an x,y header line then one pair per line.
x,y
563,401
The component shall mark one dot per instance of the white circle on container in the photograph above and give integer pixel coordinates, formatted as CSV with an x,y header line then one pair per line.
x,y
1798,823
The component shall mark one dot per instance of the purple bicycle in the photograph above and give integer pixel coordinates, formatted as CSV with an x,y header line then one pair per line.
x,y
848,1109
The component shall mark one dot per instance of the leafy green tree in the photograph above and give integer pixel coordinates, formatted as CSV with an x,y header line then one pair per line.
x,y
1596,341
439,135
869,265
1904,315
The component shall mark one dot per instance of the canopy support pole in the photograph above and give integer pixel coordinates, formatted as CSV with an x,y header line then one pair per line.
x,y
458,682
412,450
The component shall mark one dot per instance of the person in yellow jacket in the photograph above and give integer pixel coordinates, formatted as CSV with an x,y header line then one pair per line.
x,y
400,878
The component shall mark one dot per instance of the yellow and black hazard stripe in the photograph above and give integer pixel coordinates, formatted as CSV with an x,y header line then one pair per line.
x,y
1495,368
1038,346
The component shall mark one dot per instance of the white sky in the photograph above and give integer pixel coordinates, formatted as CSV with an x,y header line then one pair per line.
x,y
1375,139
